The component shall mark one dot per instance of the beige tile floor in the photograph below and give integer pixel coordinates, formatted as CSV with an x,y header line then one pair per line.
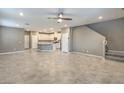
x,y
31,67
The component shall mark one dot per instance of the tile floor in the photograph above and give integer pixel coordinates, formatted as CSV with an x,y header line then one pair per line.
x,y
32,67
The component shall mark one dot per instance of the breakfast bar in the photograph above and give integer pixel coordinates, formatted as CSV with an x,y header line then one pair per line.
x,y
46,46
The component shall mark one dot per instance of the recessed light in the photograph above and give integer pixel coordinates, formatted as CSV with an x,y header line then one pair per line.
x,y
21,14
100,17
17,25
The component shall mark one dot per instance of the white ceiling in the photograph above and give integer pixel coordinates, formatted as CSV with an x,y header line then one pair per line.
x,y
37,17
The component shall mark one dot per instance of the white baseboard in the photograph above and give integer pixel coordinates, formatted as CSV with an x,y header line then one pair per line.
x,y
11,52
91,55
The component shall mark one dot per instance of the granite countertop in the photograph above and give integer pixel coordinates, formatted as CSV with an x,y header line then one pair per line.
x,y
40,43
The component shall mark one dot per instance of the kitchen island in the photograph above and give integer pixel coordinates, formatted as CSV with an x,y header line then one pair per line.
x,y
46,46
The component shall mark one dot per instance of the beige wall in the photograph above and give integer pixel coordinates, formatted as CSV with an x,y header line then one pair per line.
x,y
11,39
86,40
113,31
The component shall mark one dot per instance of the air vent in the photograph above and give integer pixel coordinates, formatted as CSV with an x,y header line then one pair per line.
x,y
27,24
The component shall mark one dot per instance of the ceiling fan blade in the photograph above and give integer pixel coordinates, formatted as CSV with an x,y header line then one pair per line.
x,y
52,18
66,18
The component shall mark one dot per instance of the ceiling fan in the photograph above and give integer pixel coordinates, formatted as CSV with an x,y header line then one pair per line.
x,y
60,18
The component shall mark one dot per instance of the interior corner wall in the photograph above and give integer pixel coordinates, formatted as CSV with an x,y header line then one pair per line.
x,y
87,41
113,31
11,39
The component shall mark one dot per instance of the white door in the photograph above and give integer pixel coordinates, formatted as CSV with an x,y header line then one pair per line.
x,y
26,45
34,41
65,42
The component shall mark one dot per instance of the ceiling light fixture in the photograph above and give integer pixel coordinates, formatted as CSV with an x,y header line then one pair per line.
x,y
100,17
59,20
60,15
21,14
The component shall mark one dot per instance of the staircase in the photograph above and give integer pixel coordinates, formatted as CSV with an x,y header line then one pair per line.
x,y
114,55
110,54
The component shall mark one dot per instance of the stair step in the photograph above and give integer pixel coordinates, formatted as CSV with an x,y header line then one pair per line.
x,y
115,57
